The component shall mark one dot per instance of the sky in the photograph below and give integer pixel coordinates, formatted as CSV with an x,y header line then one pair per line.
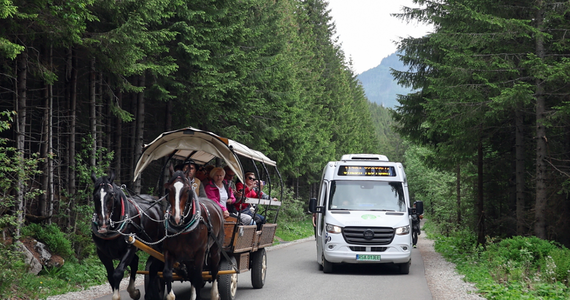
x,y
368,33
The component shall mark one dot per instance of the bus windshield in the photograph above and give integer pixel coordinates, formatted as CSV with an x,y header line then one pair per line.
x,y
367,195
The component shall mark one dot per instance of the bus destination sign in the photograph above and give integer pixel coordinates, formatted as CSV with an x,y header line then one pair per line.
x,y
366,171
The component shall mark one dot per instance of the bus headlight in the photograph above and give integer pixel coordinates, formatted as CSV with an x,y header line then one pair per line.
x,y
333,228
403,230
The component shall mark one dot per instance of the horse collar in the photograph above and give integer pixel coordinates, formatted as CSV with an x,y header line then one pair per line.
x,y
185,227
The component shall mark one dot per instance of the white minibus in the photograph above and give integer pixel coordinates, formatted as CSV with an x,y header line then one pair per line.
x,y
362,213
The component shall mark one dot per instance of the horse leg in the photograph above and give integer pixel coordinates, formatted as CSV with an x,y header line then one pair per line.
x,y
120,270
167,275
197,281
214,262
108,263
154,285
193,293
133,291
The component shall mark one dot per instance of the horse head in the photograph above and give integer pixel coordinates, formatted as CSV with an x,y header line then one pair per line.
x,y
105,197
179,197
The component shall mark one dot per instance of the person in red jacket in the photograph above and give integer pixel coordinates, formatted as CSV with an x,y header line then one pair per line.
x,y
251,189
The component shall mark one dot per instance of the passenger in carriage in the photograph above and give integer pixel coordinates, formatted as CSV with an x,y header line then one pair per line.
x,y
190,168
203,173
229,178
219,191
251,189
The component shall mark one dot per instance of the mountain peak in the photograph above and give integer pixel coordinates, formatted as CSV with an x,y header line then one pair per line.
x,y
379,85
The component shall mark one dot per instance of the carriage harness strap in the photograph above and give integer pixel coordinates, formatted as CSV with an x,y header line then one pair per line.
x,y
187,227
122,224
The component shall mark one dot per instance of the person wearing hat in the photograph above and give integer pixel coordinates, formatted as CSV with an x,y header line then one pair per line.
x,y
189,168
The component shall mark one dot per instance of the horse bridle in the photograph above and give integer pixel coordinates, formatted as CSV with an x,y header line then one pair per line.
x,y
113,232
192,206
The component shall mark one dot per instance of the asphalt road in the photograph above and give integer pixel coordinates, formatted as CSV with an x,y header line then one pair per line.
x,y
293,273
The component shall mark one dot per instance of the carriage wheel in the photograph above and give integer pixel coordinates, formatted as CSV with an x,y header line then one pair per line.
x,y
258,268
157,283
227,284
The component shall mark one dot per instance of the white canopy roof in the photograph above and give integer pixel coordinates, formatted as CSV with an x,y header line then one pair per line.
x,y
199,145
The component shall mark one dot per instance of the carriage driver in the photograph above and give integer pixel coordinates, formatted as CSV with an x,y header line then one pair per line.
x,y
189,168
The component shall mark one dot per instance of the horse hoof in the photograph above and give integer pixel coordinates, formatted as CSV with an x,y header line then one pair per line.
x,y
136,294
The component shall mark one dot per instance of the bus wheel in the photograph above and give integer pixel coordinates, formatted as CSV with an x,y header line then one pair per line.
x,y
328,266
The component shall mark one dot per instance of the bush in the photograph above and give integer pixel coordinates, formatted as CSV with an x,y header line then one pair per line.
x,y
10,264
52,236
523,249
561,259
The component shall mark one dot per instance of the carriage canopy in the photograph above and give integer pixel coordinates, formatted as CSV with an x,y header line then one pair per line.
x,y
199,145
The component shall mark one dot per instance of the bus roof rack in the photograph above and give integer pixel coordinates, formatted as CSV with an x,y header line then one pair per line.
x,y
376,157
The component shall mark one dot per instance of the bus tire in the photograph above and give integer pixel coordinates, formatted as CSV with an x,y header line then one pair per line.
x,y
405,268
328,267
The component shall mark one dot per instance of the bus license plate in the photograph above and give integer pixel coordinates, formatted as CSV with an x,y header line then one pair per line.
x,y
367,257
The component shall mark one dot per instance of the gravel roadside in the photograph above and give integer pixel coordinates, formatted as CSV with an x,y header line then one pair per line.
x,y
443,281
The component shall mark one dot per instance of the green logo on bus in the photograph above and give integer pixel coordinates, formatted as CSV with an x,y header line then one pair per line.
x,y
368,217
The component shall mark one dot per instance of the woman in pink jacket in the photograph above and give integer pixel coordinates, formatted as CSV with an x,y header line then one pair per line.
x,y
220,192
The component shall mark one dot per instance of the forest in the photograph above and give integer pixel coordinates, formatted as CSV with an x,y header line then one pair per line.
x,y
489,115
84,84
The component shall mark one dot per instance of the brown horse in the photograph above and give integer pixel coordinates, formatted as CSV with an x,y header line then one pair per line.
x,y
195,230
116,217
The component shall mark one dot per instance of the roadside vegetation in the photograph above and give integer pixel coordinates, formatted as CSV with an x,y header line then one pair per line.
x,y
507,269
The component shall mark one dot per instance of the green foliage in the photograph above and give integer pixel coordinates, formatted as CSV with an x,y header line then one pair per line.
x,y
291,231
82,209
15,172
513,268
292,209
53,237
71,277
12,262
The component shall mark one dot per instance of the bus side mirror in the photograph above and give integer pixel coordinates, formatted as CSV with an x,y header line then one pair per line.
x,y
313,206
419,207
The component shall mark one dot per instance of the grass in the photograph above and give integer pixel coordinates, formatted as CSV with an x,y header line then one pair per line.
x,y
290,231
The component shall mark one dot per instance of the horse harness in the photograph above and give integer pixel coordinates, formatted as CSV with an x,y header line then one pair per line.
x,y
197,218
123,223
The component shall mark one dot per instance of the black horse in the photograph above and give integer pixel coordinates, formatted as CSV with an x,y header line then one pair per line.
x,y
117,216
195,229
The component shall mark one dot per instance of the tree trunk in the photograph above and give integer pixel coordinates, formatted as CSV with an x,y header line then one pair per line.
x,y
99,99
93,113
480,206
22,78
72,130
458,189
46,200
119,140
133,133
519,168
541,197
139,132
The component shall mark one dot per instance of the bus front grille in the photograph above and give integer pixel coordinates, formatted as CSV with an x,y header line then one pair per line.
x,y
368,235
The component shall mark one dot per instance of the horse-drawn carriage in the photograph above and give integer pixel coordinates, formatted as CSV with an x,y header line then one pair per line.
x,y
198,244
